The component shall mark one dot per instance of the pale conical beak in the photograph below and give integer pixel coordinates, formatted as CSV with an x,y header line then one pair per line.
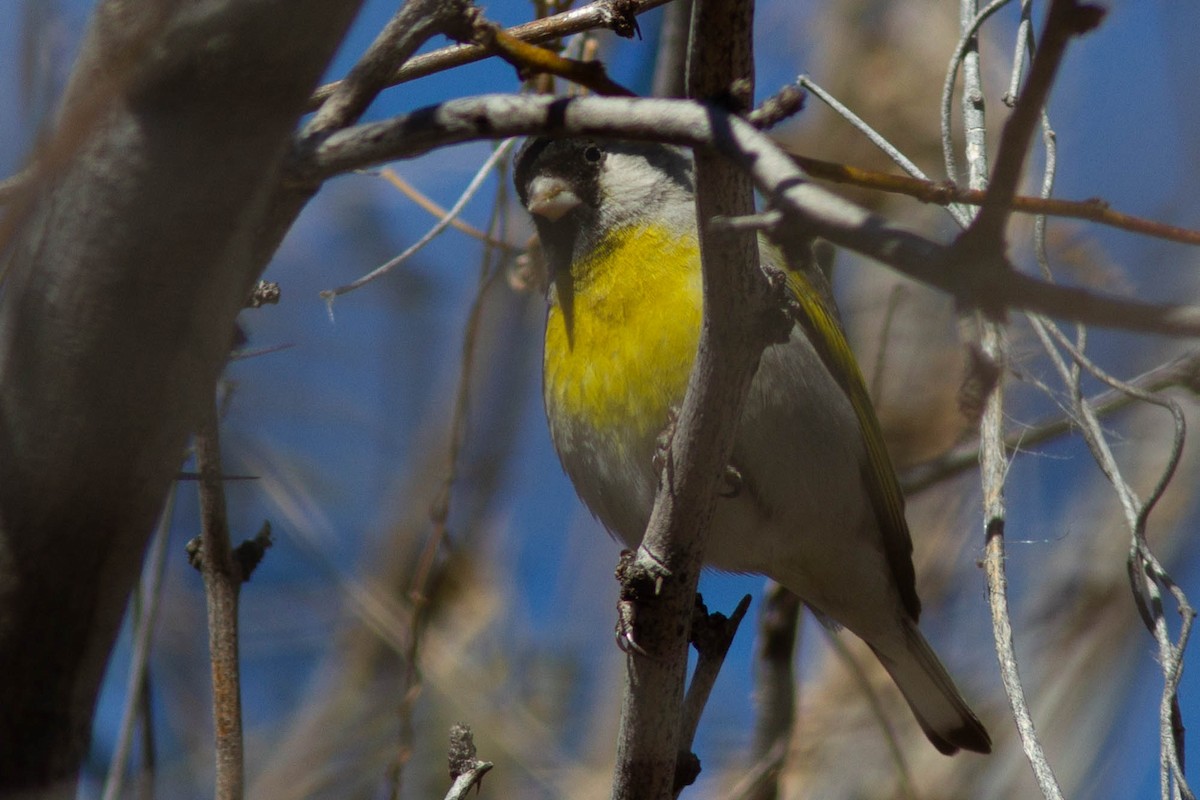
x,y
551,197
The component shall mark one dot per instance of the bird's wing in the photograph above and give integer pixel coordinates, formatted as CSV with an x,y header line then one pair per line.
x,y
879,475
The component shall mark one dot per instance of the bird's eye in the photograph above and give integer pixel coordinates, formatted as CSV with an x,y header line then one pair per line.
x,y
592,154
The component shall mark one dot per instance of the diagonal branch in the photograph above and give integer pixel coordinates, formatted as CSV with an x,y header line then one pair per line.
x,y
416,22
619,16
1066,20
1183,371
943,194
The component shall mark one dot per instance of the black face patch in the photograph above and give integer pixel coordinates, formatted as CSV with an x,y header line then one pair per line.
x,y
576,161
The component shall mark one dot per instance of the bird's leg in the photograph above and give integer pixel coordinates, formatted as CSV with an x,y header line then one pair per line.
x,y
639,585
663,443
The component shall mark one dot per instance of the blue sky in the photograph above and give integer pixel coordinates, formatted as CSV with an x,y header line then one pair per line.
x,y
340,412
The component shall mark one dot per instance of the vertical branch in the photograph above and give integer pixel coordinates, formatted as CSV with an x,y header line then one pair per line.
x,y
222,582
659,583
994,464
670,64
986,233
137,697
775,686
974,130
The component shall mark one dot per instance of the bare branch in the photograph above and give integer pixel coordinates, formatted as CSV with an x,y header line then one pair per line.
x,y
712,634
423,200
775,689
466,770
732,336
144,624
616,15
416,22
530,59
811,209
1066,19
985,238
450,216
222,583
1148,578
1093,210
961,216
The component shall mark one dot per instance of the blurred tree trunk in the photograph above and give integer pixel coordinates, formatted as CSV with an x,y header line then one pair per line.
x,y
124,269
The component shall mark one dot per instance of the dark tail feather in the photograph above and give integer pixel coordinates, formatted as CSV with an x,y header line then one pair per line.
x,y
931,694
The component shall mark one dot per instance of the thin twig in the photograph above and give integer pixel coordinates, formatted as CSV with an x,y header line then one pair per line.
x,y
617,15
1147,576
712,634
222,583
147,602
774,690
1024,45
785,103
424,572
968,42
530,59
412,25
945,193
993,460
1066,19
962,216
425,202
472,188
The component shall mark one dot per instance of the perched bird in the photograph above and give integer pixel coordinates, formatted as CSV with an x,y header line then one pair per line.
x,y
817,506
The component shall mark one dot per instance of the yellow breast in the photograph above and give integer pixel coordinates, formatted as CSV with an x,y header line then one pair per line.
x,y
620,343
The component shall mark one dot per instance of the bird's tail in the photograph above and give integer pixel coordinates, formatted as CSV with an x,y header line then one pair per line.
x,y
931,694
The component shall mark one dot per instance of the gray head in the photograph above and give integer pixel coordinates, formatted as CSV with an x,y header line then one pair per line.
x,y
579,190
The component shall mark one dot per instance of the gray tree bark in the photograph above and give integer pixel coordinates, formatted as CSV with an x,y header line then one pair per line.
x,y
124,269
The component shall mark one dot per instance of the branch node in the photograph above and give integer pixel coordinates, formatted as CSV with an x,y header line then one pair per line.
x,y
623,19
195,553
249,554
263,293
732,482
980,378
713,632
775,109
687,769
465,769
465,26
462,749
1086,18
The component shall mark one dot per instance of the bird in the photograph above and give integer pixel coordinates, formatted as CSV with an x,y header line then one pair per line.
x,y
816,505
